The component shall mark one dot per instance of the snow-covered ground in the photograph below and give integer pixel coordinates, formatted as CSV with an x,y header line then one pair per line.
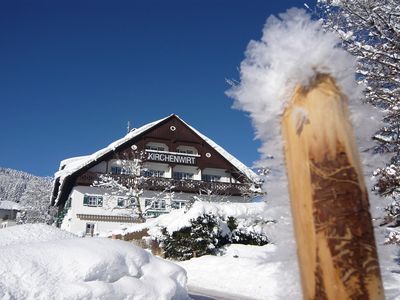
x,y
43,262
243,272
252,272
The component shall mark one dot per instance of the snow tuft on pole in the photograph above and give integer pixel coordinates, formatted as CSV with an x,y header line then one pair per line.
x,y
292,51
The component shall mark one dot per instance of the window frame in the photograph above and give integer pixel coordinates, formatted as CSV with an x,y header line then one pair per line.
x,y
92,200
182,175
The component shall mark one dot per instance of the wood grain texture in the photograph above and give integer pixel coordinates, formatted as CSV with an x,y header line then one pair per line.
x,y
336,245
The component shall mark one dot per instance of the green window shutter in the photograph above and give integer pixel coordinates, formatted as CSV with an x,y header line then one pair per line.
x,y
68,204
100,201
85,200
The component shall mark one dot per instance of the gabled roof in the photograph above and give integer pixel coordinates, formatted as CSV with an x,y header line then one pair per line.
x,y
70,167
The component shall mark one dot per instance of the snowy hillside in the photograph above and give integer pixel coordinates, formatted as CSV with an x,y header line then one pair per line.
x,y
31,192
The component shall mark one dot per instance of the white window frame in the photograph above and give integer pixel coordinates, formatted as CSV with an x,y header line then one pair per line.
x,y
182,175
211,178
93,200
153,173
178,204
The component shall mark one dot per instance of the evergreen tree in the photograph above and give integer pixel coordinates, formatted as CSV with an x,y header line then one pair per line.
x,y
206,234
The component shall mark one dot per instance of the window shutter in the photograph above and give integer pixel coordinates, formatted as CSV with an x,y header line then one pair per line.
x,y
85,200
100,201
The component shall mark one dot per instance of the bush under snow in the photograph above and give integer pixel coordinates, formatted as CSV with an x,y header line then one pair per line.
x,y
42,262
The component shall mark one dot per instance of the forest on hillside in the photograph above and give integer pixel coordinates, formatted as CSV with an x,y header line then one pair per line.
x,y
30,191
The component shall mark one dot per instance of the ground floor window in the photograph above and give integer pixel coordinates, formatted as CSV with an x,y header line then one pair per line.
x,y
176,204
121,202
157,204
90,200
125,202
89,229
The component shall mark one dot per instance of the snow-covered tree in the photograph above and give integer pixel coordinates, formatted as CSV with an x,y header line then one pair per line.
x,y
370,30
130,185
31,192
35,202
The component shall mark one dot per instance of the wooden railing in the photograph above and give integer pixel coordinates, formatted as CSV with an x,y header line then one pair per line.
x,y
161,183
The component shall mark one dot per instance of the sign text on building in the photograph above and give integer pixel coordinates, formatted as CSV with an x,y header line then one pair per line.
x,y
171,158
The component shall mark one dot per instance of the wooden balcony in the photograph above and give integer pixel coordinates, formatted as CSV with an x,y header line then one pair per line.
x,y
161,184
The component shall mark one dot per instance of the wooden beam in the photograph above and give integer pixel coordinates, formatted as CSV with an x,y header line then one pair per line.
x,y
335,238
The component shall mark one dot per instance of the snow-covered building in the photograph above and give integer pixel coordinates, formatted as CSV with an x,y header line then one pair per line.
x,y
8,213
178,165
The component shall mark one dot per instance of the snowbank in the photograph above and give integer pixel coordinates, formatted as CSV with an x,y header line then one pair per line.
x,y
245,272
42,262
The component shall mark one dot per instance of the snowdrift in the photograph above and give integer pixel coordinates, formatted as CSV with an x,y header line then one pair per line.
x,y
42,262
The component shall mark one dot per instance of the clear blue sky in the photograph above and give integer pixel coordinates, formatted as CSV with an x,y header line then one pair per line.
x,y
72,73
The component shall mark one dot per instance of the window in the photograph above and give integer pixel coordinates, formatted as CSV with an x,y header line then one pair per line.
x,y
156,147
92,200
121,202
211,178
153,173
157,204
185,151
89,229
182,175
176,204
119,170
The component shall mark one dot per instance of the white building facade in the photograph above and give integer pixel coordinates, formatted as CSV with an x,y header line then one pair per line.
x,y
177,165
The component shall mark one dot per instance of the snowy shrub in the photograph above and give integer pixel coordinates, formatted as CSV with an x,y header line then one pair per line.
x,y
203,237
206,234
245,235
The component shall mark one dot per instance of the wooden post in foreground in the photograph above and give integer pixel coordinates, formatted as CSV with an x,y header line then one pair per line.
x,y
335,239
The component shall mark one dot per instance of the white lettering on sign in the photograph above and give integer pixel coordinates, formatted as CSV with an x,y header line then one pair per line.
x,y
171,158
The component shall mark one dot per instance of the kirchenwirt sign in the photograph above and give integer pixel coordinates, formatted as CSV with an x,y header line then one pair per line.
x,y
171,158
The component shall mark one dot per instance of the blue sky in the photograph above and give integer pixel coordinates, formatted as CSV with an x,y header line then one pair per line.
x,y
72,73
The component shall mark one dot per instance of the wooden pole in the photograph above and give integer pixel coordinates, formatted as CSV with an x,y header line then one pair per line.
x,y
335,239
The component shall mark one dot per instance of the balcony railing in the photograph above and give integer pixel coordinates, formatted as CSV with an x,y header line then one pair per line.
x,y
162,183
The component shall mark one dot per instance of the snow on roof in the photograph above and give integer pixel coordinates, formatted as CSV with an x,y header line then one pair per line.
x,y
74,164
73,160
9,205
239,165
